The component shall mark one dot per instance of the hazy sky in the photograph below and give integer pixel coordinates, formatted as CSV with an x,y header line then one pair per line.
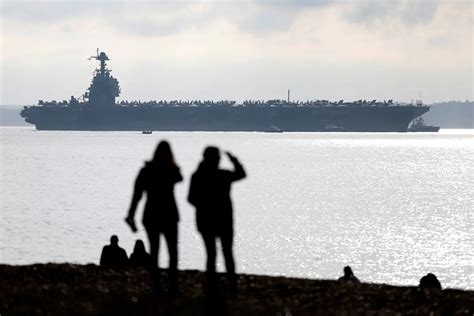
x,y
237,50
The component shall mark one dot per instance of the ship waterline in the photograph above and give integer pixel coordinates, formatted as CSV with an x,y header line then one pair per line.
x,y
97,110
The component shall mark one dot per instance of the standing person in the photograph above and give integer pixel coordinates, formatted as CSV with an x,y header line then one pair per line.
x,y
157,178
209,193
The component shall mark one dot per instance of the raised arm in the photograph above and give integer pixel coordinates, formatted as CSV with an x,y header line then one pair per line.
x,y
238,173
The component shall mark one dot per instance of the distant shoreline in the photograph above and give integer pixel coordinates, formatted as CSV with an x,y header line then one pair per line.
x,y
69,289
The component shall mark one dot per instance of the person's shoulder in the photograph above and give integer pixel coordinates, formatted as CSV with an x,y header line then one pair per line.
x,y
355,280
176,169
123,253
144,170
195,174
147,166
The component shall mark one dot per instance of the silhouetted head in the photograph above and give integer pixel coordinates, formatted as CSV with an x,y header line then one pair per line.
x,y
163,154
348,271
139,246
114,240
212,156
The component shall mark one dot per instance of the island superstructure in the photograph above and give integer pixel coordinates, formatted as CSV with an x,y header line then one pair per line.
x,y
97,110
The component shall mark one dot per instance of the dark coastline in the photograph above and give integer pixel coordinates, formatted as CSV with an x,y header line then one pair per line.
x,y
67,289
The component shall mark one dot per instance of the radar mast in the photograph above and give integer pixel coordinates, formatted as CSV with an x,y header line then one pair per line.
x,y
102,57
104,88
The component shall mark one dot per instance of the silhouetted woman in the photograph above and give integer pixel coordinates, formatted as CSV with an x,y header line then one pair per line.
x,y
157,178
139,257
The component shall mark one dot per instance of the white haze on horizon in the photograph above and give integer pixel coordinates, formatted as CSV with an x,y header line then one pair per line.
x,y
256,49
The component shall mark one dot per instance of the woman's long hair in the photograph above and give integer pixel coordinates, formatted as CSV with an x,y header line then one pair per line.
x,y
139,247
163,154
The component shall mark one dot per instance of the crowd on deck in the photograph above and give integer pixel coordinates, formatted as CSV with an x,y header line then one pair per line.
x,y
228,103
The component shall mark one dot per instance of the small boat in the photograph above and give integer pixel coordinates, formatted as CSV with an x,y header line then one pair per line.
x,y
147,132
333,128
418,125
273,129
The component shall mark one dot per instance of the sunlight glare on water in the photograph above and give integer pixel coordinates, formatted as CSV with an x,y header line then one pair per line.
x,y
393,206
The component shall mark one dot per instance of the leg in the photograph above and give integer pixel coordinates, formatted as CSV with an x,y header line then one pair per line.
x,y
171,236
210,244
154,239
227,240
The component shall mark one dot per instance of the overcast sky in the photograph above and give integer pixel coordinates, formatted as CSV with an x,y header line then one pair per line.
x,y
237,50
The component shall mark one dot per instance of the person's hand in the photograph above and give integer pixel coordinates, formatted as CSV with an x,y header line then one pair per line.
x,y
231,157
131,223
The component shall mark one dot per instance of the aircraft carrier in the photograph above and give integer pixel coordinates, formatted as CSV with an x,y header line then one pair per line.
x,y
97,110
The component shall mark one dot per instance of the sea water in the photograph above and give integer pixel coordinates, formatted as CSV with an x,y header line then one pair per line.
x,y
393,206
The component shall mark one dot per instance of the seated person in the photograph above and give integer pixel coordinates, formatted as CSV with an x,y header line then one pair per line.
x,y
430,281
113,255
349,276
139,257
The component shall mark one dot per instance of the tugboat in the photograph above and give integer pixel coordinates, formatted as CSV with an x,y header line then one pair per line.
x,y
418,125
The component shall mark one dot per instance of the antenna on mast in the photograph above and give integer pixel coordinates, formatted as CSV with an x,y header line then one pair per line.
x,y
288,95
420,101
94,57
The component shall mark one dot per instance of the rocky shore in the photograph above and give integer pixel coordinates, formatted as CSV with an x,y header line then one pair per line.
x,y
67,289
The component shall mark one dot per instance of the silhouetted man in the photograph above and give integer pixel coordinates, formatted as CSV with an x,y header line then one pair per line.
x,y
209,192
349,276
113,255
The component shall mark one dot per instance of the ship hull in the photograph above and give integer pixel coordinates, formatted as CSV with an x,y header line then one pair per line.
x,y
228,118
